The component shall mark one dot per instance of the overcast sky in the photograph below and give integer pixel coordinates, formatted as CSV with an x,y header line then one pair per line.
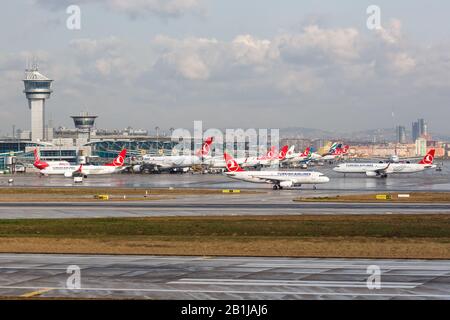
x,y
233,63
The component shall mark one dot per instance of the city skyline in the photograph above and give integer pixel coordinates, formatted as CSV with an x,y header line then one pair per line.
x,y
309,65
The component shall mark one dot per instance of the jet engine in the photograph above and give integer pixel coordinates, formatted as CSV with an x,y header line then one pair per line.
x,y
137,168
68,174
286,184
371,174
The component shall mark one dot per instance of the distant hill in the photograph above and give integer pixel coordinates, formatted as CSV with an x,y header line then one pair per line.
x,y
379,135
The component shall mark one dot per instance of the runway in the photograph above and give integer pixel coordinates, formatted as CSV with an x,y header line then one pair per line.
x,y
210,206
157,277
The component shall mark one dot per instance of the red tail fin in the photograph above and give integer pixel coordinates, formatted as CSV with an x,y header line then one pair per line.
x,y
232,165
429,158
36,155
271,152
282,153
37,161
119,160
206,147
306,152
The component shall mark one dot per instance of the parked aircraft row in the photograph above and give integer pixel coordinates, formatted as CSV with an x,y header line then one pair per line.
x,y
235,167
281,179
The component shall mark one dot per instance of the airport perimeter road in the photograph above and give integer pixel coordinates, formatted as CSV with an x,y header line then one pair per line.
x,y
206,206
156,277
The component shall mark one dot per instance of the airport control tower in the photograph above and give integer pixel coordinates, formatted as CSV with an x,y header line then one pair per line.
x,y
84,123
37,89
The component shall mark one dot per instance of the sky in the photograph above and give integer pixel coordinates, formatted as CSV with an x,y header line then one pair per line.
x,y
231,64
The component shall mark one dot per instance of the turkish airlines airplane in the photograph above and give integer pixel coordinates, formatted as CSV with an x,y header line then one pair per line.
x,y
68,170
279,179
271,158
383,169
177,162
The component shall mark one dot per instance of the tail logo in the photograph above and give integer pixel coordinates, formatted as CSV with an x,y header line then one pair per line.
x,y
428,159
232,165
205,149
118,161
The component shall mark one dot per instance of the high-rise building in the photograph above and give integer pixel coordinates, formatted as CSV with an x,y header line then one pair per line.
x,y
422,127
401,134
37,90
421,147
419,129
415,131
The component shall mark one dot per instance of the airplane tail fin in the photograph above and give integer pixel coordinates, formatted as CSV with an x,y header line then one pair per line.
x,y
270,154
36,155
429,158
232,165
206,147
119,160
290,152
283,152
306,152
333,147
37,161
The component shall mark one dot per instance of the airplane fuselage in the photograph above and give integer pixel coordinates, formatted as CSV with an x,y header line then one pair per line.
x,y
86,170
385,167
295,177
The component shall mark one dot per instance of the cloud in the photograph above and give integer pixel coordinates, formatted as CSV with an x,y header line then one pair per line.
x,y
303,73
251,51
135,8
393,34
402,63
317,44
294,82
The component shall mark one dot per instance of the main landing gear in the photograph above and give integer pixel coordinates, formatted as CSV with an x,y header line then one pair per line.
x,y
277,187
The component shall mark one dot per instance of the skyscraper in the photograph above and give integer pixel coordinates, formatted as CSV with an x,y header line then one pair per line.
x,y
415,131
401,134
419,129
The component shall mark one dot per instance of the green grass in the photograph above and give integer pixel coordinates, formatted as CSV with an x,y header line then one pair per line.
x,y
391,226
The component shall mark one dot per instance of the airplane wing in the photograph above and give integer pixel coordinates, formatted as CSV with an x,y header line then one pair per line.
x,y
271,179
380,170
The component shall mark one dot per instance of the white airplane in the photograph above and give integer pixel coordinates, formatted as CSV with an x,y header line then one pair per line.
x,y
304,156
41,165
383,169
176,162
279,179
68,170
271,158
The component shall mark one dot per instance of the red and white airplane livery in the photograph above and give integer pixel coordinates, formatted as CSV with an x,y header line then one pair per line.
x,y
383,169
68,170
279,179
